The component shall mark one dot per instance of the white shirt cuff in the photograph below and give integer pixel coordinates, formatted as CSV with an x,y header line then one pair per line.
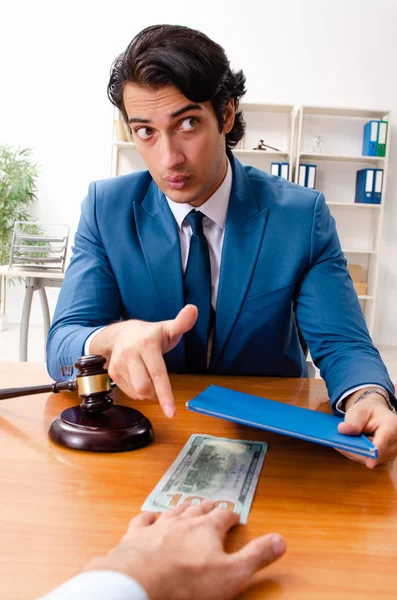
x,y
89,340
355,389
99,585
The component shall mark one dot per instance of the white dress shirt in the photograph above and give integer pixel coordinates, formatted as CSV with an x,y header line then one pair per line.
x,y
214,223
98,585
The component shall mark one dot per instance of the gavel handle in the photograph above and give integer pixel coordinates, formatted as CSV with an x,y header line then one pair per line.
x,y
57,386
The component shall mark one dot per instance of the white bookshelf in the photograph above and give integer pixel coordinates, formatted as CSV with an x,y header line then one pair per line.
x,y
291,130
359,225
275,125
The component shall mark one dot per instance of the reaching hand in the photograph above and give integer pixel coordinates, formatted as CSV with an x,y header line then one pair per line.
x,y
134,352
181,554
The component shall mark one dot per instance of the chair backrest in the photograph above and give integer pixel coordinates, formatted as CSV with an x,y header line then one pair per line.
x,y
39,246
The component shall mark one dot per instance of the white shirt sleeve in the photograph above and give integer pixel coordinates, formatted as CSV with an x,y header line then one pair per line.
x,y
89,340
98,585
355,389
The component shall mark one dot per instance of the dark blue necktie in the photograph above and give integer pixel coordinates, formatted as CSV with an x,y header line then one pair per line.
x,y
197,289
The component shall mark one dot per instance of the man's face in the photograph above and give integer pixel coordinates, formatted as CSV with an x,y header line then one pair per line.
x,y
179,141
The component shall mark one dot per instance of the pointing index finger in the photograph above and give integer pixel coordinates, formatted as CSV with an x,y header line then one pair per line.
x,y
157,370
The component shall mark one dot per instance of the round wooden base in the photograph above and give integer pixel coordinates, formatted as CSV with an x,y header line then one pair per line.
x,y
117,429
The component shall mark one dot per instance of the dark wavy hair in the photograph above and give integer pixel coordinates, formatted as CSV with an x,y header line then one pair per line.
x,y
171,54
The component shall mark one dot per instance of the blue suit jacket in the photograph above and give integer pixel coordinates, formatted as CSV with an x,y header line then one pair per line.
x,y
281,253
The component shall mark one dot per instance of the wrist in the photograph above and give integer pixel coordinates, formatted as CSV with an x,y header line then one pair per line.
x,y
104,341
370,394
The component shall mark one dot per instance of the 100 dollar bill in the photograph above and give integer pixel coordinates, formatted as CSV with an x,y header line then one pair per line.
x,y
219,469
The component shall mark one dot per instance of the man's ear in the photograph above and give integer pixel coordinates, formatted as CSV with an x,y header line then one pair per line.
x,y
228,116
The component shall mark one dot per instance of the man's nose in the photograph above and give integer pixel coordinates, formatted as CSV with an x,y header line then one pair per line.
x,y
172,156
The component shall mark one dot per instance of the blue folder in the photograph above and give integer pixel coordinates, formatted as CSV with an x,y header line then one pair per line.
x,y
365,186
378,185
282,418
370,138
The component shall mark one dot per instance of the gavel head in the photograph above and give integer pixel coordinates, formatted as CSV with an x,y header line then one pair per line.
x,y
93,383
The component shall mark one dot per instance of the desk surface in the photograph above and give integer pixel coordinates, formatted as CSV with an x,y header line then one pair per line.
x,y
60,507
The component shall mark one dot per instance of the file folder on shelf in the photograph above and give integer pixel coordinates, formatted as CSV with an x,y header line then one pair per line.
x,y
378,183
275,168
365,186
311,171
382,138
370,140
278,417
302,175
284,170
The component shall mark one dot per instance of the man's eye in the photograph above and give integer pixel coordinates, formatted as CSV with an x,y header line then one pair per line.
x,y
144,132
189,124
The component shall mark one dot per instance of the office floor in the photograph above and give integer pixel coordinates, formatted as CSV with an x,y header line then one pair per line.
x,y
9,348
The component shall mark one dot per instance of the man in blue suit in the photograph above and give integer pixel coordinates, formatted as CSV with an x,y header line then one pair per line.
x,y
202,265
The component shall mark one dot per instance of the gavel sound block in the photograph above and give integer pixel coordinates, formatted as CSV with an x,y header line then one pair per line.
x,y
97,424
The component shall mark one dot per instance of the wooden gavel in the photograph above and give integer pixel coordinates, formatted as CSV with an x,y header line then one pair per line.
x,y
96,425
92,385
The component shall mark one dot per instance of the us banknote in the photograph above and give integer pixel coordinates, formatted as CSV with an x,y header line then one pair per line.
x,y
219,469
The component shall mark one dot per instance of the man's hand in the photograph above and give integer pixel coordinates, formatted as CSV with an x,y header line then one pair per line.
x,y
134,352
374,418
181,555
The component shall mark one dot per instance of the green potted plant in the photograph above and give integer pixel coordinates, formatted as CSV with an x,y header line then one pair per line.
x,y
18,177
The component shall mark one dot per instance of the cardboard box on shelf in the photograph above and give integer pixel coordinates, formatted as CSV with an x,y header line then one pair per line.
x,y
356,272
360,287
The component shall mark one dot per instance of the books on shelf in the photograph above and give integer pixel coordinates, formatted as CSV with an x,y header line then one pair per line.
x,y
369,183
375,137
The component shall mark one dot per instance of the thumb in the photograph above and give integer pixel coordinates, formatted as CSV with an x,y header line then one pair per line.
x,y
183,321
261,552
356,419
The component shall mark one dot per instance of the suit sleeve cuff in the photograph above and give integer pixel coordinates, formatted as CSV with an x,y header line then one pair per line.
x,y
99,585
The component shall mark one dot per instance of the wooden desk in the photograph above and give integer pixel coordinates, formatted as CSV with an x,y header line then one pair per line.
x,y
34,281
59,507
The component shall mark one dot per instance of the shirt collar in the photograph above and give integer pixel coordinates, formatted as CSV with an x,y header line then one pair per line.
x,y
215,208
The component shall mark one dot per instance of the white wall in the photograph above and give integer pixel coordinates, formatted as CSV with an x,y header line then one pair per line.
x,y
55,62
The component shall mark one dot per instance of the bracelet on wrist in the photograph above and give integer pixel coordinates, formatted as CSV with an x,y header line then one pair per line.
x,y
380,392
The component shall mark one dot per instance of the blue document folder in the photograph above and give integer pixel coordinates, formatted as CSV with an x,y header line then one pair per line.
x,y
370,138
282,418
378,184
365,186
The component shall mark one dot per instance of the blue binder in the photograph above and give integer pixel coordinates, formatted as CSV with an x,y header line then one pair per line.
x,y
284,170
365,186
378,185
302,174
275,168
281,418
370,140
311,173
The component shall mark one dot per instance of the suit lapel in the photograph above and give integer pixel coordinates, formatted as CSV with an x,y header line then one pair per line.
x,y
245,226
159,240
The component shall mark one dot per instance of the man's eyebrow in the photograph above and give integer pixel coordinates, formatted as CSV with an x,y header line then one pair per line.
x,y
175,114
186,108
137,120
